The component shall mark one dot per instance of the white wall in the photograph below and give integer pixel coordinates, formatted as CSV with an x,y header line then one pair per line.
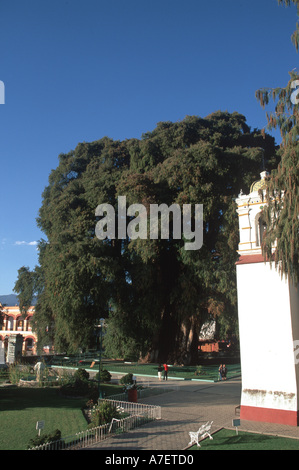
x,y
266,338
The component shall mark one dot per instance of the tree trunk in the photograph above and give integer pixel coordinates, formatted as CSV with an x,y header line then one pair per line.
x,y
175,344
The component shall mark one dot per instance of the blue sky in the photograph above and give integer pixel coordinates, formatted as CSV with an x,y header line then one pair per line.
x,y
78,70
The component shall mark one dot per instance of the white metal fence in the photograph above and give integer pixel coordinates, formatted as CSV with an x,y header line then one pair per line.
x,y
137,409
139,414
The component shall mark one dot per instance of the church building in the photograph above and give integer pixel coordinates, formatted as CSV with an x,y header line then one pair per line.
x,y
268,310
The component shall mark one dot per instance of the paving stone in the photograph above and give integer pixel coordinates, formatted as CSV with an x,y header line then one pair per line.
x,y
185,408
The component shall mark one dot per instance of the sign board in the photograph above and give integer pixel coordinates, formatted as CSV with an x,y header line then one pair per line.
x,y
236,423
39,425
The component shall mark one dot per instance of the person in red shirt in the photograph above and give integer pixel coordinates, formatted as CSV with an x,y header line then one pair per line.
x,y
165,371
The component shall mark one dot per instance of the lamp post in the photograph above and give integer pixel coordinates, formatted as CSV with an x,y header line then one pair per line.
x,y
100,355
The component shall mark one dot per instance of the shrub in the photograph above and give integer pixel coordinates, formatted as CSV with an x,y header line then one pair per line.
x,y
14,374
127,379
4,375
78,388
200,370
105,376
46,438
81,374
103,413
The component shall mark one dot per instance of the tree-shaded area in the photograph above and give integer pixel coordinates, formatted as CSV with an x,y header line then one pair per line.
x,y
153,293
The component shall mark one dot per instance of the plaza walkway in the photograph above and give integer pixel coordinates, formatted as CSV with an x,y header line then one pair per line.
x,y
188,405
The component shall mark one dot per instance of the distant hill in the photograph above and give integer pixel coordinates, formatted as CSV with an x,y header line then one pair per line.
x,y
11,300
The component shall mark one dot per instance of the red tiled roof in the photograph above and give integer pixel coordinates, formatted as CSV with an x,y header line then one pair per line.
x,y
250,259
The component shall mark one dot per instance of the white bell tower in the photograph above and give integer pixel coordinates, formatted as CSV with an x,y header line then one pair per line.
x,y
268,310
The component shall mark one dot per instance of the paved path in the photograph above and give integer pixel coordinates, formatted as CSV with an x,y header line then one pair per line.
x,y
185,409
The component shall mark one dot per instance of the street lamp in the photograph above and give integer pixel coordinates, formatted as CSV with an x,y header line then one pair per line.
x,y
102,320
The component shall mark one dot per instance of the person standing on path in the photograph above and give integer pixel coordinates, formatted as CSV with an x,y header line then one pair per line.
x,y
160,369
220,371
165,371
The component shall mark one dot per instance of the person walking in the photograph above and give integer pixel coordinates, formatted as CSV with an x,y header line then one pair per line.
x,y
224,372
165,371
160,369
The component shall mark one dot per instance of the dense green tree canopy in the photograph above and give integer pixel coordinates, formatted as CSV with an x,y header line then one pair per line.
x,y
154,293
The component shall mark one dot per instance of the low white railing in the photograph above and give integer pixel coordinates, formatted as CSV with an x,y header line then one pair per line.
x,y
139,414
136,409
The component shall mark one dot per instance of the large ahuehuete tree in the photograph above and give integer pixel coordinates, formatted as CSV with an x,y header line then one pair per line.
x,y
154,294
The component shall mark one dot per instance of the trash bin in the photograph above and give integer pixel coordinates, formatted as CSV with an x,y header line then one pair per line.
x,y
132,395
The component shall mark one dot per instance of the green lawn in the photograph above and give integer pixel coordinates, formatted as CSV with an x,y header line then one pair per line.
x,y
209,373
21,408
228,440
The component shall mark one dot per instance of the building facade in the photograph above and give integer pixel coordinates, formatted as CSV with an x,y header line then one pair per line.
x,y
15,324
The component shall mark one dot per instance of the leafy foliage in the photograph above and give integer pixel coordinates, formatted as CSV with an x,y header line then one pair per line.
x,y
81,374
105,375
153,293
79,386
295,35
103,413
25,287
282,210
126,379
45,439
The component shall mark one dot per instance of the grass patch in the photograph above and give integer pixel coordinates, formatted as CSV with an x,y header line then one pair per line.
x,y
207,372
91,362
21,408
227,439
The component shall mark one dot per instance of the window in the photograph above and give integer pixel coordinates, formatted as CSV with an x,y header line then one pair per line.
x,y
261,227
